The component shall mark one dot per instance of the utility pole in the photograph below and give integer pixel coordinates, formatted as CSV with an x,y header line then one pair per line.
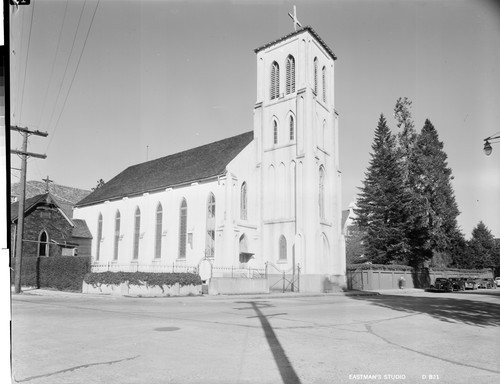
x,y
20,216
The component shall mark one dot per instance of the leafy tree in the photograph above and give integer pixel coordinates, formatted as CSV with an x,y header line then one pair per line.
x,y
414,227
408,135
100,183
482,248
354,249
383,202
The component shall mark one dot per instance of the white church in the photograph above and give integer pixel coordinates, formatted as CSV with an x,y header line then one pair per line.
x,y
271,195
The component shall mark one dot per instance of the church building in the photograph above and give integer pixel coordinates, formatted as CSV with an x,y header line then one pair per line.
x,y
271,195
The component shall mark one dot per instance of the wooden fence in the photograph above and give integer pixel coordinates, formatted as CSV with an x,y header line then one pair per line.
x,y
374,279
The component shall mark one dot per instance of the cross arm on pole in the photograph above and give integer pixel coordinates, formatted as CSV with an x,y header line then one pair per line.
x,y
31,154
26,130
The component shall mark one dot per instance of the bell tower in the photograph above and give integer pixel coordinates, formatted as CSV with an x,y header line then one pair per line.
x,y
296,137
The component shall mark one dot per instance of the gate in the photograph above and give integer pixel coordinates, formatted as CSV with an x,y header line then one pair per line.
x,y
355,280
283,280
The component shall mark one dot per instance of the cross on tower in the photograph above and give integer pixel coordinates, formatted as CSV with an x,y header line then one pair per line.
x,y
294,18
47,181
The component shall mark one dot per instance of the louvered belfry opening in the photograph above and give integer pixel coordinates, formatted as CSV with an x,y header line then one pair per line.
x,y
275,80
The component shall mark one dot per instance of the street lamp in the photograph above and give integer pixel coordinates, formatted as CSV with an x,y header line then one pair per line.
x,y
487,145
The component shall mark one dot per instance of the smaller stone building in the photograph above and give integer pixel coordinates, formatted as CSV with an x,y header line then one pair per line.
x,y
49,230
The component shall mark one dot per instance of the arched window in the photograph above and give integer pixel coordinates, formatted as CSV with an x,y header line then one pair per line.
x,y
292,128
323,77
182,229
137,232
210,238
117,235
321,200
275,80
158,230
315,63
282,248
99,236
243,201
275,132
43,244
290,75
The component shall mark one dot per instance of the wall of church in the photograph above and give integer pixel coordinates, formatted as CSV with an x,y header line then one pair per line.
x,y
196,197
231,224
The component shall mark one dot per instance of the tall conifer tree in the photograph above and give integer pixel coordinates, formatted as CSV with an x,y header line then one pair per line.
x,y
438,209
382,203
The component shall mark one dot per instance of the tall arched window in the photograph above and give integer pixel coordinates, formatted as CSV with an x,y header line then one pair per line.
x,y
99,237
315,64
321,193
275,132
158,230
323,77
290,75
275,80
182,229
210,239
292,128
137,232
117,235
282,248
43,244
243,201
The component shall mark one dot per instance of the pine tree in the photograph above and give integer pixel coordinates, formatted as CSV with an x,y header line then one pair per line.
x,y
481,247
438,209
382,203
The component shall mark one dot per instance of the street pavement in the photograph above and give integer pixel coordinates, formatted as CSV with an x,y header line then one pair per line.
x,y
407,335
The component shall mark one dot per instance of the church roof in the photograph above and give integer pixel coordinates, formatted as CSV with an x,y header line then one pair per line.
x,y
306,28
63,194
182,168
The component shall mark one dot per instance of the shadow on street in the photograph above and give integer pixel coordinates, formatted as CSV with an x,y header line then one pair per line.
x,y
450,310
288,374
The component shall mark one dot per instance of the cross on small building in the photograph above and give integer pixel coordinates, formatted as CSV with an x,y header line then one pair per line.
x,y
47,181
294,18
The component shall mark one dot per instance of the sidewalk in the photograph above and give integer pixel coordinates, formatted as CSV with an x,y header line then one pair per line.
x,y
273,295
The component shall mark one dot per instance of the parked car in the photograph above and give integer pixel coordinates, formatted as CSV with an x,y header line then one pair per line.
x,y
443,284
486,283
457,283
497,281
470,284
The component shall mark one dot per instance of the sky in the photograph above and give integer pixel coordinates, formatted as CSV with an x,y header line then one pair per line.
x,y
116,83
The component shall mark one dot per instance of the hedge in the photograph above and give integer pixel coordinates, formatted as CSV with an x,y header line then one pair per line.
x,y
142,278
378,267
65,273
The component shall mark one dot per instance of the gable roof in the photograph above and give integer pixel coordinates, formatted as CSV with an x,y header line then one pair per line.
x,y
193,165
33,202
63,194
299,31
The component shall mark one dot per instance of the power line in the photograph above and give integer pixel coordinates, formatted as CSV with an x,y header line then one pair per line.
x,y
53,63
26,64
74,74
67,65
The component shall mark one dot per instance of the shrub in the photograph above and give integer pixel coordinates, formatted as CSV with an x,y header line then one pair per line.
x,y
142,278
